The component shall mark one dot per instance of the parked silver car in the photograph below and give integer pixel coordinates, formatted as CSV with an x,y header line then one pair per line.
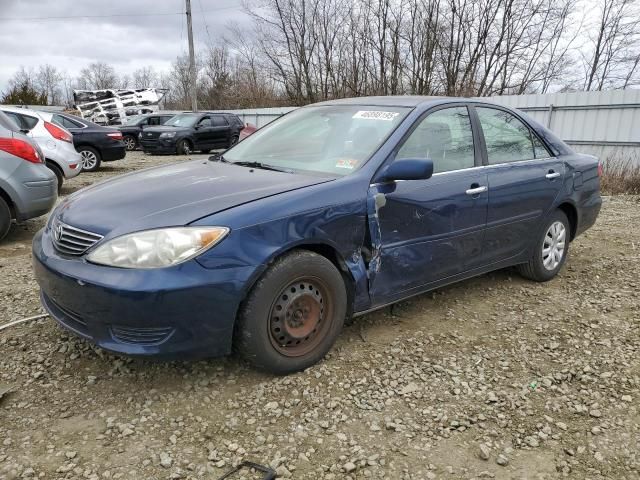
x,y
28,188
55,141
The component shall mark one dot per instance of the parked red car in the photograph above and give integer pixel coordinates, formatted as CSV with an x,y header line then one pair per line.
x,y
248,129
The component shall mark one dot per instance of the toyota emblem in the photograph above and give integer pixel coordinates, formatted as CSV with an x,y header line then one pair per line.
x,y
57,232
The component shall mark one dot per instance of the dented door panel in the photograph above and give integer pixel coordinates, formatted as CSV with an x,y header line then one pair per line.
x,y
424,231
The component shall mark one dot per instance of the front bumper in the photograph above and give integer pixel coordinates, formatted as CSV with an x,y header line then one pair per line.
x,y
186,311
164,145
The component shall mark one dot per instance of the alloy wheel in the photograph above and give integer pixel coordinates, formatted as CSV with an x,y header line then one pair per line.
x,y
89,159
129,143
553,245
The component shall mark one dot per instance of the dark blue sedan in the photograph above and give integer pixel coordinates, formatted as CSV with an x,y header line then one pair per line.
x,y
332,211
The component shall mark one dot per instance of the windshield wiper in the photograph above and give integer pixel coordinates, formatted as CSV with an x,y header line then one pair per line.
x,y
263,166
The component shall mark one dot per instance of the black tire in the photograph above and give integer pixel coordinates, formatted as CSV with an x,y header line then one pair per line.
x,y
233,140
5,218
130,142
535,268
206,150
55,169
303,293
91,158
184,147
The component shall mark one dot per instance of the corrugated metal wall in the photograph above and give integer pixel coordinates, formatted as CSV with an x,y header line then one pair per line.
x,y
606,124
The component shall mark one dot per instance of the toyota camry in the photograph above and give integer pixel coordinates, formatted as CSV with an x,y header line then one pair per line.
x,y
334,210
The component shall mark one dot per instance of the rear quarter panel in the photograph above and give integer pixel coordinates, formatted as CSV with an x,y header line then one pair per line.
x,y
582,183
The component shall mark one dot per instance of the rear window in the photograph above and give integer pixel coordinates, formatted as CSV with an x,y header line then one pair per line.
x,y
65,122
26,122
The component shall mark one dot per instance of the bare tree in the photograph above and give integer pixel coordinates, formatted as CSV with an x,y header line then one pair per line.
x,y
616,32
145,77
98,76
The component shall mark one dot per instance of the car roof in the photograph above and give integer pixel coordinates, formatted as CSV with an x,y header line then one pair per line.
x,y
388,101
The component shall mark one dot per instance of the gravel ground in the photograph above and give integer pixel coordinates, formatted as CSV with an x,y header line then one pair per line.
x,y
495,377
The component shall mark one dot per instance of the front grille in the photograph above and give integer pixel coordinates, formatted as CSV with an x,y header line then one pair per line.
x,y
141,335
150,135
71,240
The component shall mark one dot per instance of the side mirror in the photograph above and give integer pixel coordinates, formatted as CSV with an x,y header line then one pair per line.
x,y
408,169
24,130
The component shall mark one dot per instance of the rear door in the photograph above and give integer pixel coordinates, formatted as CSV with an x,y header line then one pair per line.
x,y
524,181
431,229
221,130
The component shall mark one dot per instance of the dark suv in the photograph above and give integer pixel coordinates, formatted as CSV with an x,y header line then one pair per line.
x,y
135,125
188,132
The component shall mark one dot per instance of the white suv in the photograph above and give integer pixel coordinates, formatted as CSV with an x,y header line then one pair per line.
x,y
56,142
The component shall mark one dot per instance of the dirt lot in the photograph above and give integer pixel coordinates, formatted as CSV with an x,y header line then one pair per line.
x,y
496,377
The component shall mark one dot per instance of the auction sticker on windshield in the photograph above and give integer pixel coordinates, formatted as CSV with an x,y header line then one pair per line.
x,y
375,115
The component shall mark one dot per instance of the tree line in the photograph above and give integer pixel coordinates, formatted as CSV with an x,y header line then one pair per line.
x,y
295,52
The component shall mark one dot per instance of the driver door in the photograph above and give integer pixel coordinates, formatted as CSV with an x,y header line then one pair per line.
x,y
204,133
429,230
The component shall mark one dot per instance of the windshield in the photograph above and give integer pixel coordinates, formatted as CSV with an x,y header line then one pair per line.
x,y
183,120
334,139
134,120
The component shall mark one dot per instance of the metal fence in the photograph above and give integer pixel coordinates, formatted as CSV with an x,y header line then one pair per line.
x,y
605,124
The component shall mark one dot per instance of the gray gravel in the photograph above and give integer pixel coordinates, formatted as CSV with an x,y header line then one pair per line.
x,y
496,377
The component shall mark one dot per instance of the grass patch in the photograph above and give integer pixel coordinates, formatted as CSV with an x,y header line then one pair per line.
x,y
621,176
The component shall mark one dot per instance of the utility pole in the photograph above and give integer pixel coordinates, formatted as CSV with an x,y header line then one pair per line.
x,y
192,60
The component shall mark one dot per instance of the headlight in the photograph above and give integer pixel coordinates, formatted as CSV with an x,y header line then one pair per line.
x,y
167,134
157,248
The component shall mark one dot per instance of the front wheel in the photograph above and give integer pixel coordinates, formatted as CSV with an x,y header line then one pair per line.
x,y
90,159
551,249
184,147
293,315
130,142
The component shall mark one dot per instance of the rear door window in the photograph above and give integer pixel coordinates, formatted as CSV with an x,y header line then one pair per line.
x,y
219,121
506,137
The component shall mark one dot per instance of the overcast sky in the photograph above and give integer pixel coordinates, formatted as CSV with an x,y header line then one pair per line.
x,y
126,42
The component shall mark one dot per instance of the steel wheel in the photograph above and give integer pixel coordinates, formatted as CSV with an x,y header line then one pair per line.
x,y
129,142
89,160
553,245
297,321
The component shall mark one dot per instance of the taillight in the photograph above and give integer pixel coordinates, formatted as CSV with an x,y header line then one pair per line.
x,y
600,169
58,133
21,149
115,135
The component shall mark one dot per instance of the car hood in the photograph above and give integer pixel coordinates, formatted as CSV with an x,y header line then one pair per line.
x,y
173,195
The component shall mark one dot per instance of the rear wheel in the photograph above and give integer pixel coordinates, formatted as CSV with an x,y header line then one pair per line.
x,y
293,314
90,159
184,147
5,218
550,252
234,139
129,142
59,176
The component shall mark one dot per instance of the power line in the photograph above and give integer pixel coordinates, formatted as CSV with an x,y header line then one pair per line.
x,y
118,15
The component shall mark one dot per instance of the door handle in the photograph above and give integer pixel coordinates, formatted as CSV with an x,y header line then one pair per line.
x,y
551,175
476,190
